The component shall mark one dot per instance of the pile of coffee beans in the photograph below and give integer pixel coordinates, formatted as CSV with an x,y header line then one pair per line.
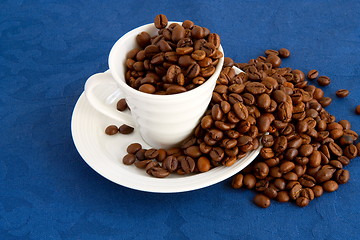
x,y
306,149
178,59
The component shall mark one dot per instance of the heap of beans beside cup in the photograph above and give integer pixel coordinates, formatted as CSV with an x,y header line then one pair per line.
x,y
178,59
304,149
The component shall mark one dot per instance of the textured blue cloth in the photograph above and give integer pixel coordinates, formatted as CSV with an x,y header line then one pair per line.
x,y
49,49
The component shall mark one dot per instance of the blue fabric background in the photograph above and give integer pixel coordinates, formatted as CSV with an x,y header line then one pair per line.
x,y
47,51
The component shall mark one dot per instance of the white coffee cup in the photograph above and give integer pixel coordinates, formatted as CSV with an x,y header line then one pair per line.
x,y
163,120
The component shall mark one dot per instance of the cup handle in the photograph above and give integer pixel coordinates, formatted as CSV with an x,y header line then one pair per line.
x,y
102,92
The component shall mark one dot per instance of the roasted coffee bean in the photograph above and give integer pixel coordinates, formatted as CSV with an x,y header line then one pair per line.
x,y
306,150
142,164
160,21
147,88
342,93
140,154
295,191
261,170
318,190
193,151
133,148
249,181
286,166
151,153
267,141
284,53
162,155
217,154
324,174
111,130
270,192
323,80
302,201
262,201
237,181
158,172
283,196
143,39
271,51
187,164
330,186
240,111
357,109
198,55
307,181
174,89
274,60
280,144
290,154
342,176
315,159
129,159
170,163
312,74
351,151
125,129
121,105
335,149
255,87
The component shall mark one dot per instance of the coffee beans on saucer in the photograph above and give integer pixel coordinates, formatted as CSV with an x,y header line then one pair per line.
x,y
179,58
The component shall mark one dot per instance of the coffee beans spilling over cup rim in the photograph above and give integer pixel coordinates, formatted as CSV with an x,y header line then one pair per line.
x,y
178,59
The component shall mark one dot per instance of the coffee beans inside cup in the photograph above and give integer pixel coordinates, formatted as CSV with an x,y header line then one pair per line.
x,y
179,58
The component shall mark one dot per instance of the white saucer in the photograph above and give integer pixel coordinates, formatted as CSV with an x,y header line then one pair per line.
x,y
104,154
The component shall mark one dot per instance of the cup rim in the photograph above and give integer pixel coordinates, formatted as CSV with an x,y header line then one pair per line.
x,y
123,84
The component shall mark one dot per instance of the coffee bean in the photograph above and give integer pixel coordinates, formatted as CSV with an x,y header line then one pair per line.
x,y
283,196
121,105
312,74
351,151
187,164
249,181
129,159
271,51
267,141
143,39
284,53
140,154
240,111
286,166
270,192
261,170
330,186
133,148
262,201
274,60
158,172
147,88
342,176
307,181
193,151
323,80
187,24
203,164
160,21
342,93
302,201
335,149
197,32
216,154
318,190
170,163
357,109
151,153
324,174
111,130
125,129
142,164
295,191
174,89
